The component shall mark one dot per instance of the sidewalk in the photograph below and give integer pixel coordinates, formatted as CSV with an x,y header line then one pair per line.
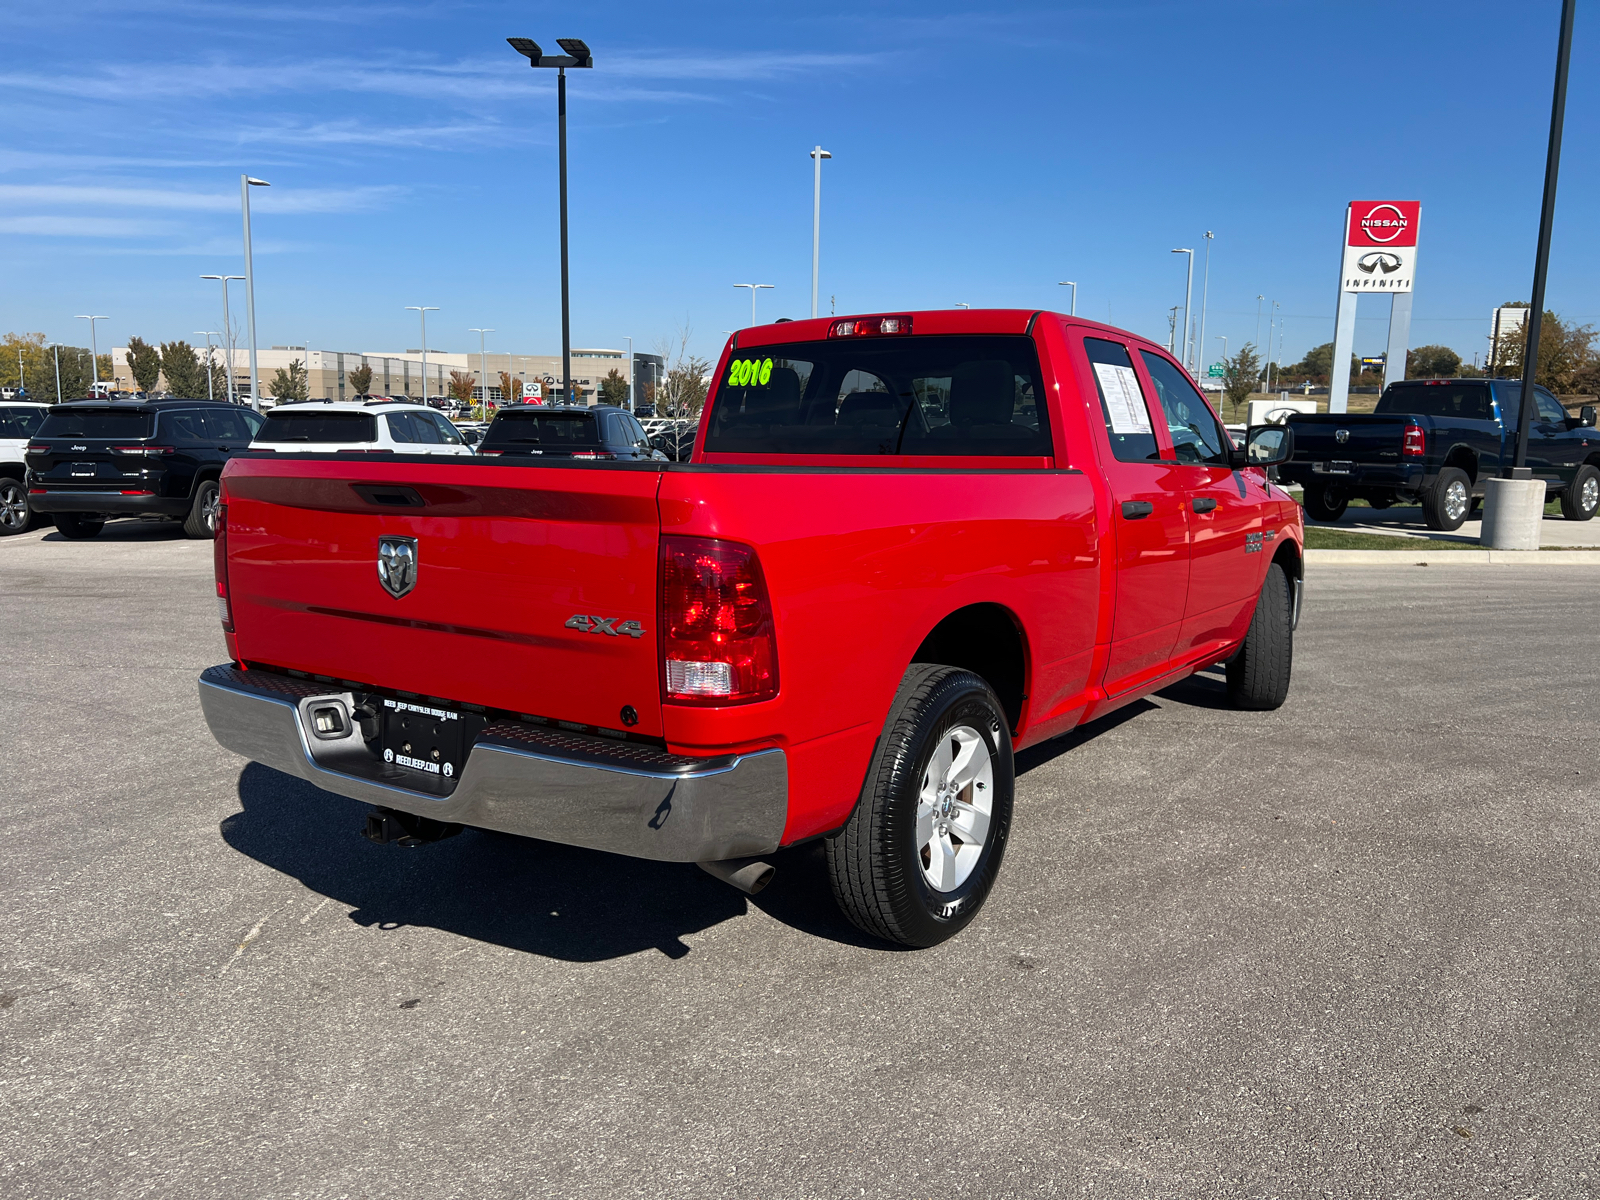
x,y
1562,542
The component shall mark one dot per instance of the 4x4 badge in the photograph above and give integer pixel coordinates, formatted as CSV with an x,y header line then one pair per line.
x,y
397,564
607,625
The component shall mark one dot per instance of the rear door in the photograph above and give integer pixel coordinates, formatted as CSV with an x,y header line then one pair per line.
x,y
1150,519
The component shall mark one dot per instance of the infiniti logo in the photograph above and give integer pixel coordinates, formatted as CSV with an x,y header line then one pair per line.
x,y
1379,260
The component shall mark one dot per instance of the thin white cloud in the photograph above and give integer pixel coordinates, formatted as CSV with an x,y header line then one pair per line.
x,y
356,133
82,227
314,200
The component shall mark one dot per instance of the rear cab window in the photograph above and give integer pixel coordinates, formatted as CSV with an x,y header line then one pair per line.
x,y
310,426
904,397
98,425
1459,401
524,431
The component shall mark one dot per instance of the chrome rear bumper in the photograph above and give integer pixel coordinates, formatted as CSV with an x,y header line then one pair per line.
x,y
524,779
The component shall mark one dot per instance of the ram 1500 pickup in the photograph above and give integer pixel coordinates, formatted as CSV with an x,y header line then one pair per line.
x,y
1439,441
905,546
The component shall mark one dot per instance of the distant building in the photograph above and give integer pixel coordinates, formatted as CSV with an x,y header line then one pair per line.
x,y
1504,321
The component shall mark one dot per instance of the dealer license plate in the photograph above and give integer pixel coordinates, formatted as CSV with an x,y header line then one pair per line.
x,y
422,738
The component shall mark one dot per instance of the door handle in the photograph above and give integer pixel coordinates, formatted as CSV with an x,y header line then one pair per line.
x,y
1203,504
1135,509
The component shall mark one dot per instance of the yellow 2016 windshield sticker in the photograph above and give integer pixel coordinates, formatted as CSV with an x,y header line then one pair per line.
x,y
749,372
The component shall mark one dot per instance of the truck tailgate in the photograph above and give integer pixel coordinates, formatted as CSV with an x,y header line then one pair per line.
x,y
506,557
1368,438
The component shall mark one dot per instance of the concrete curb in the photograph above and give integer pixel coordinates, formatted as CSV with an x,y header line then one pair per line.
x,y
1420,556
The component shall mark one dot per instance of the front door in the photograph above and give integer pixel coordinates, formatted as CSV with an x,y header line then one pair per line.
x,y
1149,519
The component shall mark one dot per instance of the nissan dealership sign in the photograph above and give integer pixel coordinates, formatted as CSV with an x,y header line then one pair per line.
x,y
1380,245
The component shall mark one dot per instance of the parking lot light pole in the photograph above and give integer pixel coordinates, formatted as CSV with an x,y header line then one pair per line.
x,y
577,55
1074,287
208,334
422,310
56,346
227,327
817,155
754,288
1205,290
1188,294
483,368
94,352
630,375
246,182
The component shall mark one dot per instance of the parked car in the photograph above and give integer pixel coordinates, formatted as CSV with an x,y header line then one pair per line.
x,y
907,547
566,431
365,427
94,459
1439,442
19,421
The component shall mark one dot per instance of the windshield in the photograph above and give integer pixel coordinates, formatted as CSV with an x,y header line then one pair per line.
x,y
98,423
313,426
525,429
894,395
1462,401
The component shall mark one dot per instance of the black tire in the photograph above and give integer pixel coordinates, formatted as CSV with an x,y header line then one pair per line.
x,y
202,519
78,526
1580,501
1446,504
1258,675
875,863
1325,501
15,515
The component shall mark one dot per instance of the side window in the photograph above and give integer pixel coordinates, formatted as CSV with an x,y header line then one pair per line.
x,y
1122,402
1549,407
227,426
10,427
27,420
447,432
252,420
424,430
182,425
1196,436
400,427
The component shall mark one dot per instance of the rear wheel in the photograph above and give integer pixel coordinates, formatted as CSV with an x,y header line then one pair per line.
x,y
78,526
1448,502
202,519
1258,675
920,853
15,516
1325,501
1580,501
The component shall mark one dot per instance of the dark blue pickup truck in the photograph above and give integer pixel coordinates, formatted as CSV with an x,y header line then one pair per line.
x,y
1439,441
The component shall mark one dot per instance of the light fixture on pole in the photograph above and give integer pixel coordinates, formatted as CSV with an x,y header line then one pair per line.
x,y
247,182
1188,294
754,288
1074,287
227,327
577,55
422,310
94,346
960,304
1205,288
817,155
483,369
208,334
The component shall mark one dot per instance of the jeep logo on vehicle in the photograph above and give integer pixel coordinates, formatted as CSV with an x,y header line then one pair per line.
x,y
397,564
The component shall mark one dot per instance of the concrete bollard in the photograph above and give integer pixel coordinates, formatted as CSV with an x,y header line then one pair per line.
x,y
1513,514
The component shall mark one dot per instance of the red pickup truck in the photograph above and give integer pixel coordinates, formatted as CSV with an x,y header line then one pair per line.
x,y
905,547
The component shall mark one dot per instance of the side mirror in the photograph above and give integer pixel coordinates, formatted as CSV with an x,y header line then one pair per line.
x,y
1265,446
1586,417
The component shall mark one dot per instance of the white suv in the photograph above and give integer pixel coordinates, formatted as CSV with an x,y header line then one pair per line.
x,y
370,427
19,421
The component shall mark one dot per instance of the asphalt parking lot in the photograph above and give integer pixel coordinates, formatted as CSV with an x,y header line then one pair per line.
x,y
1344,949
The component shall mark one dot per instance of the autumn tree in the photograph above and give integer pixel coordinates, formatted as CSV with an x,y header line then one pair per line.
x,y
510,388
461,385
1567,359
186,374
614,389
144,360
360,379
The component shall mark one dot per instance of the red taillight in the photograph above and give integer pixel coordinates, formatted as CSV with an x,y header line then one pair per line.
x,y
38,448
870,327
592,454
717,637
36,491
1413,443
219,564
137,492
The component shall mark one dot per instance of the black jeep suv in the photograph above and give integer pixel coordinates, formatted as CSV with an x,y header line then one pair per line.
x,y
94,459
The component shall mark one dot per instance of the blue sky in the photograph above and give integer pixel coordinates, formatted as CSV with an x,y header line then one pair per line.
x,y
981,154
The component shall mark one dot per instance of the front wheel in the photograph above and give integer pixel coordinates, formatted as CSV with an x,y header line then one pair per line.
x,y
1258,675
1579,502
1447,503
14,514
1325,501
919,855
78,526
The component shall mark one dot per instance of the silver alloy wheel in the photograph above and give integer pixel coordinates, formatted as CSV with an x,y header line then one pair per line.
x,y
1589,495
953,808
13,506
1457,499
208,510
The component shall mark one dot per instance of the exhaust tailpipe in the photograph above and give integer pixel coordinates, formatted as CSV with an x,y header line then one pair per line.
x,y
749,875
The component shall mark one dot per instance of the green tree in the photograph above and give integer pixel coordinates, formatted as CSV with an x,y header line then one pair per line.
x,y
614,389
144,360
291,385
1432,362
186,375
38,364
360,379
1240,374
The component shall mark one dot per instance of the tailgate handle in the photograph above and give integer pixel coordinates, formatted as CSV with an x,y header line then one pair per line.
x,y
389,495
1203,504
1134,509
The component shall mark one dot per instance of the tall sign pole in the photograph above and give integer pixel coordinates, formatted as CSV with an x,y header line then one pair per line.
x,y
1380,255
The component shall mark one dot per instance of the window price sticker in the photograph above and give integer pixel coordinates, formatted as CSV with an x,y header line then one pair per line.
x,y
1124,401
